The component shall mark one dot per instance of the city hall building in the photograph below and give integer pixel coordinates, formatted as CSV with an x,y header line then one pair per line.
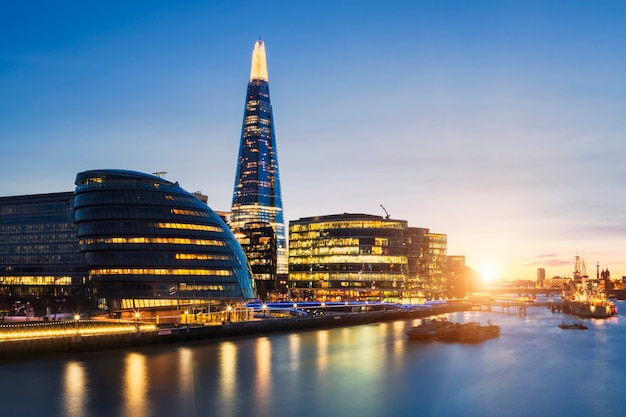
x,y
151,245
122,241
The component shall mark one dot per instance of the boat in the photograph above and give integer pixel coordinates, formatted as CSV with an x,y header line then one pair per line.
x,y
577,326
585,300
446,331
428,328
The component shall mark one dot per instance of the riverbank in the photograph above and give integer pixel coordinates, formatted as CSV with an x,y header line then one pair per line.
x,y
35,348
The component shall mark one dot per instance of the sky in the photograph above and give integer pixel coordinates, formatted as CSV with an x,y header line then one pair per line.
x,y
498,123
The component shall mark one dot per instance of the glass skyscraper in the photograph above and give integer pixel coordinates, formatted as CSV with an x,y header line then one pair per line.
x,y
149,244
256,195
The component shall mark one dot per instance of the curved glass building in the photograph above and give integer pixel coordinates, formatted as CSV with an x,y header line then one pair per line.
x,y
150,244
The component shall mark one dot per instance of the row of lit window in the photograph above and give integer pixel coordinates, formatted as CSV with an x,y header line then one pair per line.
x,y
190,212
152,240
157,271
35,280
187,226
315,243
339,259
349,224
201,257
345,276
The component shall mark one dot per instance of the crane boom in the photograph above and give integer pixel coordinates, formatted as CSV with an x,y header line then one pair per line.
x,y
386,214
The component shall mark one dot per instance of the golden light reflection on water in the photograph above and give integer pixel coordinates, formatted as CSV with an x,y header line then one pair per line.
x,y
263,376
322,350
74,383
399,344
294,352
185,371
135,386
228,376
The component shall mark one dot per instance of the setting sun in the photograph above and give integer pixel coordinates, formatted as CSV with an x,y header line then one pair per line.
x,y
488,274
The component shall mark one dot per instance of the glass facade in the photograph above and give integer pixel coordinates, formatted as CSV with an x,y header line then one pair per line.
x,y
40,263
151,244
257,194
358,255
258,241
427,262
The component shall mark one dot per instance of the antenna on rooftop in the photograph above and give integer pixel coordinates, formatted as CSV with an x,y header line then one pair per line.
x,y
386,214
159,173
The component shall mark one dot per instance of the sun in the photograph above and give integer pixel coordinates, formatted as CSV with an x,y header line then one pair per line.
x,y
488,274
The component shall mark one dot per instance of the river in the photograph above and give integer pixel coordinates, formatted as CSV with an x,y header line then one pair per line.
x,y
533,369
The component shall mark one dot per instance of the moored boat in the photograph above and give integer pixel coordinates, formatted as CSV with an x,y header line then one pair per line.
x,y
445,331
576,326
585,300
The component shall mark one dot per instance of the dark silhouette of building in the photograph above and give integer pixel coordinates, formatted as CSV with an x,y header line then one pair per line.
x,y
258,241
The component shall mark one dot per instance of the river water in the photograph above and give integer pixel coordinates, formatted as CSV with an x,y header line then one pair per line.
x,y
533,369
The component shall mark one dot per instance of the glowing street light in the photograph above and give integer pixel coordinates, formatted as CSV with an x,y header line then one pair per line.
x,y
137,315
264,308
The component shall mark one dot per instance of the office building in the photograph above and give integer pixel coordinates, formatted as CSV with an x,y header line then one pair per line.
x,y
258,241
257,194
347,257
41,268
151,245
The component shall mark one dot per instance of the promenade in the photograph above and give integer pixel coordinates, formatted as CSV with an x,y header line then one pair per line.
x,y
27,341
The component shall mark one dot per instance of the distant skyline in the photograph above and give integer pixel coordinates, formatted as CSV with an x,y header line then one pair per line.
x,y
498,123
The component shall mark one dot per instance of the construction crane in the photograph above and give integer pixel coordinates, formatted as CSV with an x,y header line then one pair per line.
x,y
386,214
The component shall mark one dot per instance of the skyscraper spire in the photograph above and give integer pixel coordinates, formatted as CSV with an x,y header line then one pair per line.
x,y
258,71
257,195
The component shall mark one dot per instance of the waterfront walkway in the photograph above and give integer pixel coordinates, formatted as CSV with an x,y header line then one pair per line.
x,y
37,339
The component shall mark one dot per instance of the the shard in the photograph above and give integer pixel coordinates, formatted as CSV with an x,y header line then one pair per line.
x,y
257,195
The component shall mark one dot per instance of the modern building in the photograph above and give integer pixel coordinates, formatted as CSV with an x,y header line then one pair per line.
x,y
461,280
258,241
257,194
41,268
427,256
347,257
153,246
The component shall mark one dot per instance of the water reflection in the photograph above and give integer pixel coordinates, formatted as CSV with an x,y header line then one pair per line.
x,y
294,352
263,375
74,389
135,386
369,370
186,380
227,382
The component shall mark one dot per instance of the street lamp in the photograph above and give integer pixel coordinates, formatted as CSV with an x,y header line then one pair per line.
x,y
76,318
228,308
264,308
137,315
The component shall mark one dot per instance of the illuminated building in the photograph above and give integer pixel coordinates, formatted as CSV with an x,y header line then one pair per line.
x,y
257,194
40,263
427,257
150,244
258,241
460,277
351,256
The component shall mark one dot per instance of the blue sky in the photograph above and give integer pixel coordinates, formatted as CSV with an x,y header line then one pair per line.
x,y
498,123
